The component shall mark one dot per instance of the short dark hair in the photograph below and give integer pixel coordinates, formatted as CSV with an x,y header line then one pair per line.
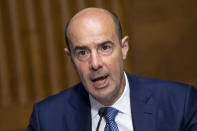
x,y
118,26
118,29
66,35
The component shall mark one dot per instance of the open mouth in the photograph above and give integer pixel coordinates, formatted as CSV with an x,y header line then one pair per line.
x,y
100,82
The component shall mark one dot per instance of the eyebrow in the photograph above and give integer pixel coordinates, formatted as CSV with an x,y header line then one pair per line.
x,y
80,48
105,42
85,47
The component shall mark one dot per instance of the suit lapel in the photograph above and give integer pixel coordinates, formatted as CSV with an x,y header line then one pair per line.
x,y
142,106
80,112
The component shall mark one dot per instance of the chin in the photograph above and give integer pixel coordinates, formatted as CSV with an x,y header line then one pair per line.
x,y
105,96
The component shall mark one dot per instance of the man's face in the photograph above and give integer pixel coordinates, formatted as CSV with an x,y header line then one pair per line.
x,y
97,56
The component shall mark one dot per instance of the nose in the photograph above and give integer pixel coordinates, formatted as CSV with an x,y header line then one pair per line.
x,y
95,62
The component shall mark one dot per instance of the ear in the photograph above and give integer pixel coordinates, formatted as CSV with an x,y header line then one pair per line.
x,y
67,51
125,46
69,54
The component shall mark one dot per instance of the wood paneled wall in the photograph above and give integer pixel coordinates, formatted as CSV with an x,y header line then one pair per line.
x,y
33,64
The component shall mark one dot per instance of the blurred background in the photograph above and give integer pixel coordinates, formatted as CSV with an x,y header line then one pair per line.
x,y
33,65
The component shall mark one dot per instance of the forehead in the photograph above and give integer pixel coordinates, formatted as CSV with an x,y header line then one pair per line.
x,y
91,28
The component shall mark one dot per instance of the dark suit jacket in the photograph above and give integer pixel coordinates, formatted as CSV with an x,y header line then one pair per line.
x,y
156,105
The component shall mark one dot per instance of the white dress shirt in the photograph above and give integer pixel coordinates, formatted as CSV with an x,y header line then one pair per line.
x,y
123,118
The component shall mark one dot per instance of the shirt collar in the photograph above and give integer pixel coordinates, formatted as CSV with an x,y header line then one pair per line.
x,y
122,104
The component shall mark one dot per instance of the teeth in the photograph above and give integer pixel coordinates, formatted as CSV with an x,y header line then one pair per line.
x,y
100,81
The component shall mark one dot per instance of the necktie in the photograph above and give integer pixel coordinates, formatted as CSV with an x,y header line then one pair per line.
x,y
110,119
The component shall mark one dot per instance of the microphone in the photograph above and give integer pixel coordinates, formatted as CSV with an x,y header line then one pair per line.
x,y
102,112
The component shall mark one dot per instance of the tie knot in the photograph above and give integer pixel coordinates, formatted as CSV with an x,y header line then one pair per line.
x,y
111,114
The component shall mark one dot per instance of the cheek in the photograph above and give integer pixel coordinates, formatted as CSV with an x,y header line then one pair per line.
x,y
115,63
83,71
116,59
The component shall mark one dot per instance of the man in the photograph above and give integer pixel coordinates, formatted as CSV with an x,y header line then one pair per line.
x,y
97,50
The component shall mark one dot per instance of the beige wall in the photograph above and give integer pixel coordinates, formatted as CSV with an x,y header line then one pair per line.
x,y
33,64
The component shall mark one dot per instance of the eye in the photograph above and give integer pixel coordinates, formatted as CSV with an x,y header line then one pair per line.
x,y
82,54
106,49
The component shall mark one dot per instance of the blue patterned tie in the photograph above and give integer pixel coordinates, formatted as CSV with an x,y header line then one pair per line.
x,y
110,119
